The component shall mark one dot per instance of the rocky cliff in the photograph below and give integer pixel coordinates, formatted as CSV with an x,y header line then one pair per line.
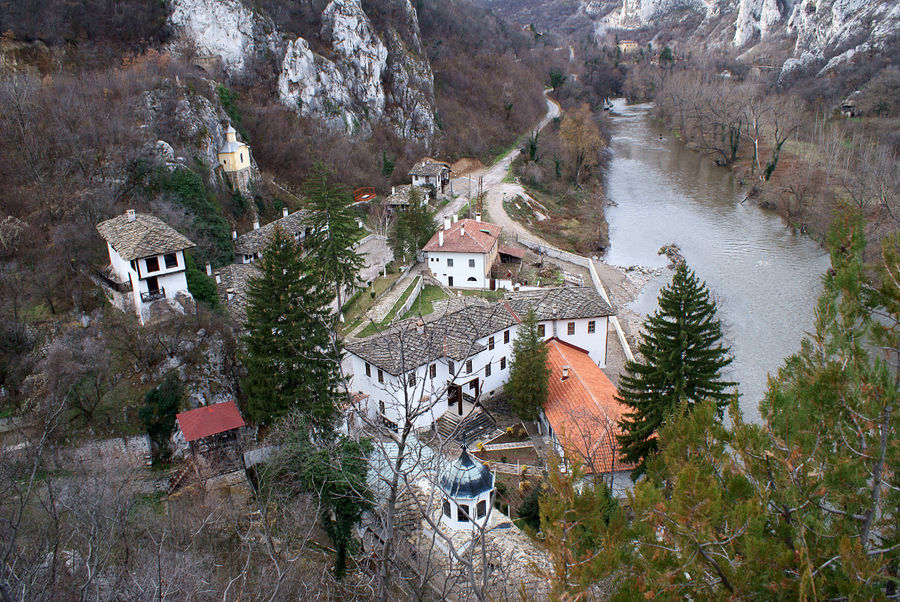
x,y
352,76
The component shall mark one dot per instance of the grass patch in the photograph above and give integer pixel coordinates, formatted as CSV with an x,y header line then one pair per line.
x,y
400,302
361,302
489,295
424,305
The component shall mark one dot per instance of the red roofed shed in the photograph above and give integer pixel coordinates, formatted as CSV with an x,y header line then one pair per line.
x,y
210,420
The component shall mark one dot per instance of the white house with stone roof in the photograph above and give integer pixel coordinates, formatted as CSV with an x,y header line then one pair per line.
x,y
461,254
146,258
420,370
248,247
431,174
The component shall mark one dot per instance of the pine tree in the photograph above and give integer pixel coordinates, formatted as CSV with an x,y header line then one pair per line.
x,y
335,232
528,375
158,415
289,355
683,360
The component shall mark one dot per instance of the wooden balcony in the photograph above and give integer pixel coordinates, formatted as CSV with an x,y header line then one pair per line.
x,y
153,295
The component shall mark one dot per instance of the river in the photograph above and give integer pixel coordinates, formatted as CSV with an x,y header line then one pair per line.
x,y
765,277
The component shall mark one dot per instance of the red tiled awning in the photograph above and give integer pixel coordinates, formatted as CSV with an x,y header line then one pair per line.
x,y
209,420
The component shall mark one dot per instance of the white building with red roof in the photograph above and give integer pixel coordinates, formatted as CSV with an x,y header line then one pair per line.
x,y
461,254
582,414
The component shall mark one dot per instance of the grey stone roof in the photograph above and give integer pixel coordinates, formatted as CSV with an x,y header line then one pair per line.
x,y
144,236
235,277
402,347
255,241
427,168
401,195
560,303
408,345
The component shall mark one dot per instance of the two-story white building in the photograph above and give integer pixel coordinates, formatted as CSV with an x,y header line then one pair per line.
x,y
249,246
431,174
419,370
461,254
146,258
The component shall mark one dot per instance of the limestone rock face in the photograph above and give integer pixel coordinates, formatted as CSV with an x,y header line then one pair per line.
x,y
368,75
228,29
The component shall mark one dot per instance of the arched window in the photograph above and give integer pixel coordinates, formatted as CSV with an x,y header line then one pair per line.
x,y
471,279
482,508
446,508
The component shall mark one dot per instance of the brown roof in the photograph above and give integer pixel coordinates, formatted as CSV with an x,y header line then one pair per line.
x,y
582,409
428,167
466,236
235,276
512,251
209,420
255,241
560,303
143,236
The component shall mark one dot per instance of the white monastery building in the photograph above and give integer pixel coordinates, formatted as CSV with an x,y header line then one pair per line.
x,y
461,254
146,258
421,370
248,247
431,174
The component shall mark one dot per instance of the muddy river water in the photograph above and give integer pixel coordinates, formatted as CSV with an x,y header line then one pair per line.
x,y
764,276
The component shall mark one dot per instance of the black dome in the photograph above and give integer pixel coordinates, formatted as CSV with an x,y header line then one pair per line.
x,y
466,477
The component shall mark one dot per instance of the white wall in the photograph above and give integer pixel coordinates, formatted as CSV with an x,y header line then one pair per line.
x,y
594,343
436,261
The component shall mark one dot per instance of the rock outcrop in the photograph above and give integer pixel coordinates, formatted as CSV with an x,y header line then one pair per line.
x,y
357,76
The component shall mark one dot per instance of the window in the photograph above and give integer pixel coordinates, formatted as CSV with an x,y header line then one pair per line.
x,y
411,379
462,513
503,363
381,407
471,263
490,342
451,367
481,509
152,264
506,337
380,376
368,369
473,384
449,262
592,327
571,328
171,260
541,330
242,157
433,370
446,508
487,370
468,366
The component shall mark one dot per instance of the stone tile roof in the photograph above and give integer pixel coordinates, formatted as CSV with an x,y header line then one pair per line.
x,y
582,409
255,241
428,168
410,344
466,236
235,278
143,236
560,303
401,194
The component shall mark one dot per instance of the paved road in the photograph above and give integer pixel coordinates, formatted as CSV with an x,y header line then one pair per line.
x,y
493,179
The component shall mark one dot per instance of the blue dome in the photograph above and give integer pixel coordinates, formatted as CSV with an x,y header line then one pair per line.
x,y
466,478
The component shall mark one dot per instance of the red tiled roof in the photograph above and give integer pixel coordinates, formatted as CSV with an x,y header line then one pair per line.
x,y
466,236
512,251
209,420
582,409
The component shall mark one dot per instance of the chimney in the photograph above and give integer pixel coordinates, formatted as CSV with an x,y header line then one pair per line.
x,y
229,294
284,212
218,279
565,372
462,229
208,269
131,215
393,190
477,217
446,223
256,224
440,238
420,327
455,218
234,235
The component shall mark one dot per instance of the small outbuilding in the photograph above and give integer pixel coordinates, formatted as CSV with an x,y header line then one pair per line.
x,y
430,173
234,158
467,487
210,427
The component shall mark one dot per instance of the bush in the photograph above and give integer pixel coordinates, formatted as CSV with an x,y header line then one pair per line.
x,y
158,415
530,510
201,286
